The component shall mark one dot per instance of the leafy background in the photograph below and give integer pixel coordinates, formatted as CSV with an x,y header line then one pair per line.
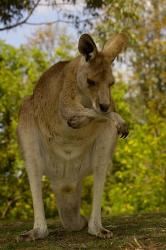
x,y
137,182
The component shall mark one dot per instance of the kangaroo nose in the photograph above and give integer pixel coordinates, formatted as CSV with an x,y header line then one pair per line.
x,y
104,107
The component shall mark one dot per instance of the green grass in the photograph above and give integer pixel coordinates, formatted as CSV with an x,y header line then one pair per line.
x,y
139,232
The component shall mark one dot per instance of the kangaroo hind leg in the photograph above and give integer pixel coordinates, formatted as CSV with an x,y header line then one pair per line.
x,y
28,137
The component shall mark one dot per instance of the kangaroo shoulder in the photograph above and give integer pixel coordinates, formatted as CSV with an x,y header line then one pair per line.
x,y
53,71
48,83
26,106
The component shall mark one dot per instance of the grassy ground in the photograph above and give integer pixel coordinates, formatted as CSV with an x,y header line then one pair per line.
x,y
138,232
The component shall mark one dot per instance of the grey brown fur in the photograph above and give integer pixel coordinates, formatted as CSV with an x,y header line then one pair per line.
x,y
68,130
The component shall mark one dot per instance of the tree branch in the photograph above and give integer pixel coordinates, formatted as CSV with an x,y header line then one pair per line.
x,y
55,4
60,21
23,21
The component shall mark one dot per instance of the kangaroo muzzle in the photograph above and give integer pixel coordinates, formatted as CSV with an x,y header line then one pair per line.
x,y
104,107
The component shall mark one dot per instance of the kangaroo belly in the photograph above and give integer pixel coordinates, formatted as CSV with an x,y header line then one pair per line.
x,y
68,152
68,163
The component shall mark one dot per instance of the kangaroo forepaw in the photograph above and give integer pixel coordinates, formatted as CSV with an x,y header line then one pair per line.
x,y
33,235
77,121
123,130
104,234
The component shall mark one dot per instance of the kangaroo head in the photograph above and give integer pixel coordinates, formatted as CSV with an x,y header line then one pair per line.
x,y
94,75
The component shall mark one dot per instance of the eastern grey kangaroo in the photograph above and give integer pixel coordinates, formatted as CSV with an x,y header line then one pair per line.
x,y
68,130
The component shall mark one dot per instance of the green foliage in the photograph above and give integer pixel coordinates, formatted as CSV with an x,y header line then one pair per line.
x,y
137,182
56,45
19,69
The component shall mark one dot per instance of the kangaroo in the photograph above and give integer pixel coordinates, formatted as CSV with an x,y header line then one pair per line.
x,y
67,130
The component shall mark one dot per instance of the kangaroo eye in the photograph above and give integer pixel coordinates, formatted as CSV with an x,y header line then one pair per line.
x,y
91,82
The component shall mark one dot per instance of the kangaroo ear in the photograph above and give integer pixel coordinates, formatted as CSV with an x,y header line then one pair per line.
x,y
87,47
115,45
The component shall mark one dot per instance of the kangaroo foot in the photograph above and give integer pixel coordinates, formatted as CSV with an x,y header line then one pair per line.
x,y
100,232
33,235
